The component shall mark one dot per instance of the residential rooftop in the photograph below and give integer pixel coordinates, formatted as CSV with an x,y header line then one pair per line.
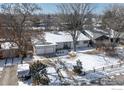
x,y
55,37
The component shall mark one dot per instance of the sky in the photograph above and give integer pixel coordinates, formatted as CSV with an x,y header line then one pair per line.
x,y
51,8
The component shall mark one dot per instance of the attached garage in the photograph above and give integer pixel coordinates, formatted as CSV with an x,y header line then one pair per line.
x,y
48,48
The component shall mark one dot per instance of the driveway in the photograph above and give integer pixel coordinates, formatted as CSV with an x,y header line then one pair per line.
x,y
9,76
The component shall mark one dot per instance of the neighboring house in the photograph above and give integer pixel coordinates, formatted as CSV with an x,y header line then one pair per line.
x,y
98,38
59,41
8,49
103,38
43,26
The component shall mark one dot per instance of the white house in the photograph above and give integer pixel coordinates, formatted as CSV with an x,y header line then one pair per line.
x,y
58,41
64,40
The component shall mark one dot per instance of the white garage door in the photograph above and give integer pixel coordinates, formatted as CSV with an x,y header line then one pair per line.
x,y
45,49
39,50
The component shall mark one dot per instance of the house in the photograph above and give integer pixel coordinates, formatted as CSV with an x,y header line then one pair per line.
x,y
103,38
55,41
59,40
8,49
99,38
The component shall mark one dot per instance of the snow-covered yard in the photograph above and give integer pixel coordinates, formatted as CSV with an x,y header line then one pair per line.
x,y
90,61
25,83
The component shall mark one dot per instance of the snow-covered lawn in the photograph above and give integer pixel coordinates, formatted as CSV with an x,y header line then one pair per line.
x,y
25,83
53,76
90,61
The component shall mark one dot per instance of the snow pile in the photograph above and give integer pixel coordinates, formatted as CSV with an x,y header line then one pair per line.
x,y
2,63
53,76
64,74
23,69
1,68
20,83
25,83
8,45
51,70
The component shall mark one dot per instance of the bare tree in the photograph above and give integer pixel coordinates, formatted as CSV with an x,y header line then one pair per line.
x,y
17,24
75,18
113,22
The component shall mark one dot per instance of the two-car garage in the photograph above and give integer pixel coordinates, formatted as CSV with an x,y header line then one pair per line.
x,y
45,49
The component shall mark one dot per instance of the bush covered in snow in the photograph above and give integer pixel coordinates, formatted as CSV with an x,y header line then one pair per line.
x,y
72,54
78,68
39,74
40,79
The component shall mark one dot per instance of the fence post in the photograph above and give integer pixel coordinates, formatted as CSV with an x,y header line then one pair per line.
x,y
94,70
111,66
84,73
120,64
103,68
5,61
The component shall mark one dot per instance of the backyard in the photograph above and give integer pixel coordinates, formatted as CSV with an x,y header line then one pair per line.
x,y
95,66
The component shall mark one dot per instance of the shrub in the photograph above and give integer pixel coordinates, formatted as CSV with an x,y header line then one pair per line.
x,y
37,67
78,68
39,74
72,54
39,79
79,64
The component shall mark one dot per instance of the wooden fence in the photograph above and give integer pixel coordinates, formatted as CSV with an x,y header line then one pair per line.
x,y
105,68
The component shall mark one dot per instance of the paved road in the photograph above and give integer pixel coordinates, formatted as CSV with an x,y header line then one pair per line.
x,y
8,76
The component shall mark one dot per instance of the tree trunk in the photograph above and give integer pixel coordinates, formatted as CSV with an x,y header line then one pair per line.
x,y
74,44
114,43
